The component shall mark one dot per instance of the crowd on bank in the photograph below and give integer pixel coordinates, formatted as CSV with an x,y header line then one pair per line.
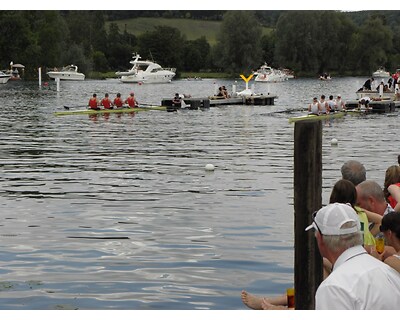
x,y
359,273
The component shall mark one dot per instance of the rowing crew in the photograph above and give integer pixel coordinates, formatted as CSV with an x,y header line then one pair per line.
x,y
325,107
95,103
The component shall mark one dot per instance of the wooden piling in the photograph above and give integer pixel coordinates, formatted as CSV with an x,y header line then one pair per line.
x,y
307,199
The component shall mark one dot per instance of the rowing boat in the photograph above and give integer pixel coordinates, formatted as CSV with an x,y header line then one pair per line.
x,y
338,114
102,111
317,117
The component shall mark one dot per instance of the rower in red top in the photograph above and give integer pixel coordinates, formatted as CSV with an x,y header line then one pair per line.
x,y
106,102
131,101
94,102
118,101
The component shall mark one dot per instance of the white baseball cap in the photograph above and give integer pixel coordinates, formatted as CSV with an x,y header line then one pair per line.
x,y
330,219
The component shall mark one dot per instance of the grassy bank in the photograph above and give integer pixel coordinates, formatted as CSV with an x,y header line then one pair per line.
x,y
192,29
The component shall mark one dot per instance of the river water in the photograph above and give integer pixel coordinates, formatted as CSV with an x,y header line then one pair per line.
x,y
118,212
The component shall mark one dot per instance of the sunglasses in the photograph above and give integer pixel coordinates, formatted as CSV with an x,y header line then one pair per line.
x,y
315,222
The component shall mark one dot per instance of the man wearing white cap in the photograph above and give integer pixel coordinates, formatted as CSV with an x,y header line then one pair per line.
x,y
358,280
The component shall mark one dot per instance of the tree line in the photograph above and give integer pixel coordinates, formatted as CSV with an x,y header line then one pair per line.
x,y
308,42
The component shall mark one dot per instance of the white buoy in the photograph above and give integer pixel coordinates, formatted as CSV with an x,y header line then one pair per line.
x,y
209,167
334,142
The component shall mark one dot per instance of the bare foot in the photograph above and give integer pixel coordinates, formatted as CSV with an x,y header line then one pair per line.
x,y
267,305
251,301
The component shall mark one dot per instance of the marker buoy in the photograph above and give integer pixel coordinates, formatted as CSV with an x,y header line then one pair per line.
x,y
334,142
209,167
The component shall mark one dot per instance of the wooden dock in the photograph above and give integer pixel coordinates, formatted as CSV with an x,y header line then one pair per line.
x,y
382,106
200,103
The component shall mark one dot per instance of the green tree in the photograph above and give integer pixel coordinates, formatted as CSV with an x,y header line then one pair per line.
x,y
16,37
239,42
76,55
163,45
371,45
100,62
52,35
313,42
87,28
119,47
196,54
268,47
297,43
98,31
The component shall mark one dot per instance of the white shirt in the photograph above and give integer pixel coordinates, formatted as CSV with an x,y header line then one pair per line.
x,y
366,99
339,104
332,104
324,106
359,281
314,108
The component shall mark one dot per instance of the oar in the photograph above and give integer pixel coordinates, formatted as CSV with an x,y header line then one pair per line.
x,y
287,111
146,104
69,107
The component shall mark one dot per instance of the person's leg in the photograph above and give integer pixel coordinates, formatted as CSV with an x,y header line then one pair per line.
x,y
251,301
255,302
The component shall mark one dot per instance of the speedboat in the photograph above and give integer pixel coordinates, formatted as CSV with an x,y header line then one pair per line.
x,y
381,73
145,71
289,73
267,74
4,77
67,73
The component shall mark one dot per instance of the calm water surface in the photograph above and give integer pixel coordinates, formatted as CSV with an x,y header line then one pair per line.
x,y
118,212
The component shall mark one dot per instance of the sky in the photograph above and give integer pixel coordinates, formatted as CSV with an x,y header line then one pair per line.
x,y
344,5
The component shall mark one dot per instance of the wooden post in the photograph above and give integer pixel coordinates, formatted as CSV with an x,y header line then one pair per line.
x,y
307,199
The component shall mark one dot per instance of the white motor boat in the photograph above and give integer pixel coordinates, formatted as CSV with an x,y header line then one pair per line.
x,y
267,74
381,73
146,71
4,77
67,73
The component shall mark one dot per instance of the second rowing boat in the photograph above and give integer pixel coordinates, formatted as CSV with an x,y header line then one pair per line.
x,y
338,114
317,117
